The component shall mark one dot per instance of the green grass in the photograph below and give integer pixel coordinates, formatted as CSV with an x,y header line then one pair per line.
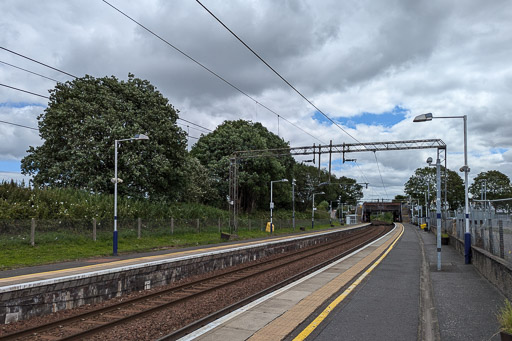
x,y
505,317
64,216
58,246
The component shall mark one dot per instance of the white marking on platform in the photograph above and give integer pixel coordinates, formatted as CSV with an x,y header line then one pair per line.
x,y
222,320
73,277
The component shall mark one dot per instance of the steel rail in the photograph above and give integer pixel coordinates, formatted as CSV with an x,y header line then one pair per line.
x,y
224,311
158,294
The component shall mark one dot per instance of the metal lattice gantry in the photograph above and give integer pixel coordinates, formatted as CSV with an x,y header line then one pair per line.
x,y
314,150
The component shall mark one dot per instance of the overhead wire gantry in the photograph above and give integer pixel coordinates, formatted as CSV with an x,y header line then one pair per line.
x,y
236,157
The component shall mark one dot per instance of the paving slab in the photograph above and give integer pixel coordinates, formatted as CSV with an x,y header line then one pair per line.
x,y
386,306
296,303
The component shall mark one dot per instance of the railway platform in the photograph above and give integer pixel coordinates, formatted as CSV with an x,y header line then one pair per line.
x,y
402,298
389,290
41,290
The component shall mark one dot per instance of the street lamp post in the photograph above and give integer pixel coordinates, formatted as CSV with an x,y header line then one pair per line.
x,y
339,212
115,180
438,206
428,206
465,169
293,204
313,210
272,202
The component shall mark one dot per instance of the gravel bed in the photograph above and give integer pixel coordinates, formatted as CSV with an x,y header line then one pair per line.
x,y
165,322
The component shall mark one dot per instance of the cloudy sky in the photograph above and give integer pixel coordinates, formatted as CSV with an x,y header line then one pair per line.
x,y
370,65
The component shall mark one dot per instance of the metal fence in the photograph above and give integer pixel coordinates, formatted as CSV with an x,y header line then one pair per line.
x,y
47,231
489,230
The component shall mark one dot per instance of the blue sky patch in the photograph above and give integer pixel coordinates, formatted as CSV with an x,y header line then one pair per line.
x,y
20,105
13,166
385,119
498,150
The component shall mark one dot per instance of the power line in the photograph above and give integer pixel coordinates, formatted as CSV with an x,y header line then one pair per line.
x,y
207,69
186,125
35,73
28,92
19,125
35,61
195,124
381,179
277,73
33,93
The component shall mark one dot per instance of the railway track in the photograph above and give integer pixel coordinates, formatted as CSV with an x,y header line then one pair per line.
x,y
93,323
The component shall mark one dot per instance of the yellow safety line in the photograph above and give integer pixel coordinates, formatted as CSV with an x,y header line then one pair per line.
x,y
319,319
136,260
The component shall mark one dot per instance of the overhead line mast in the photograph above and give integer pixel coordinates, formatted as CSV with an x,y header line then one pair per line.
x,y
308,150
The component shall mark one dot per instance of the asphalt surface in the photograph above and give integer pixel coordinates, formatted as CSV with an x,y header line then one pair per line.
x,y
466,302
383,307
386,305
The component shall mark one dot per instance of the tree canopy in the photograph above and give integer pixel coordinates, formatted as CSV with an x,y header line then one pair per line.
x,y
214,149
309,180
417,186
496,184
80,124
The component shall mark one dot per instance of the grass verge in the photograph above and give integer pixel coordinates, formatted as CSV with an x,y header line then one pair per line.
x,y
59,247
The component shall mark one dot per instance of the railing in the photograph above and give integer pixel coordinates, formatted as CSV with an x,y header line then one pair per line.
x,y
489,230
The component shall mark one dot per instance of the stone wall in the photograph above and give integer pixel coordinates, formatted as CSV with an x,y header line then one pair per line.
x,y
45,297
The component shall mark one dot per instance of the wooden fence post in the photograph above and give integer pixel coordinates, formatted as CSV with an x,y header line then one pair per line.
x,y
172,225
139,226
219,225
33,232
197,224
94,229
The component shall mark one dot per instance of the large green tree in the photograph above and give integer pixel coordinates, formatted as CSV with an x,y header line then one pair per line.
x,y
496,184
214,149
417,186
80,124
309,180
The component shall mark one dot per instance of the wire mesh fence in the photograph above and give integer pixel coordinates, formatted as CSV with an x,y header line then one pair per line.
x,y
48,231
491,231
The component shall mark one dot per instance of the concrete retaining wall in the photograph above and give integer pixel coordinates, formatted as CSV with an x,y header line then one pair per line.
x,y
41,298
495,269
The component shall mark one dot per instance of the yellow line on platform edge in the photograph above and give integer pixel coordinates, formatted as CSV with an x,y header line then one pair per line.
x,y
319,319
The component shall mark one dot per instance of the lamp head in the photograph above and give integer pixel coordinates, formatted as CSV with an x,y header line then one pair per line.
x,y
141,137
423,117
429,160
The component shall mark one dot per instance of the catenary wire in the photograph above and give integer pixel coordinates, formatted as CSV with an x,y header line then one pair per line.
x,y
208,69
28,92
277,73
33,93
196,129
35,61
195,124
381,179
19,125
34,73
